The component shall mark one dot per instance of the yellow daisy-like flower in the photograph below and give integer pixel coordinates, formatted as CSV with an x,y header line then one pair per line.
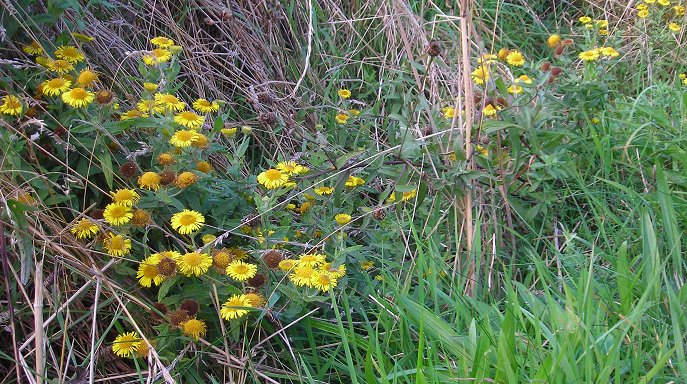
x,y
487,58
205,106
291,168
133,114
515,58
187,221
162,42
69,53
524,78
145,106
302,275
354,112
342,118
185,179
43,61
273,178
643,13
337,272
201,142
679,10
117,245
608,52
256,300
78,97
664,3
127,197
344,93
366,265
117,214
56,86
590,55
480,150
585,19
204,166
342,218
405,196
183,138
165,159
126,344
150,87
601,23
490,110
287,264
193,328
311,259
11,105
189,119
553,40
157,56
235,307
515,89
193,263
449,112
675,27
208,238
60,66
150,181
169,101
324,190
86,78
84,229
238,270
148,274
354,181
323,281
229,132
480,75
34,48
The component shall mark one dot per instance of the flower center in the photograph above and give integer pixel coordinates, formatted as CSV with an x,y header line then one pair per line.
x,y
187,219
149,271
13,103
116,243
193,259
188,115
273,175
56,83
78,93
118,211
241,269
184,135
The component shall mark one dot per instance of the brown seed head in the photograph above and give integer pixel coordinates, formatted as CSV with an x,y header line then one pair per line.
x,y
167,177
104,96
129,169
167,267
257,281
158,307
272,258
545,66
190,306
434,48
177,317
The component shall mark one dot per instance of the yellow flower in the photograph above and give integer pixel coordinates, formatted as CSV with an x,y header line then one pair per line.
x,y
643,14
524,78
43,61
87,78
84,229
337,272
193,263
480,75
126,344
145,106
148,274
187,221
603,32
675,27
311,259
117,245
679,10
183,138
189,119
11,105
323,281
132,114
344,93
56,86
185,179
305,207
238,270
127,197
302,275
664,3
323,190
354,112
169,101
287,264
405,196
515,89
354,181
342,218
256,300
449,112
34,48
515,58
229,132
487,58
608,52
235,307
649,1
204,166
205,106
165,159
366,265
162,42
150,181
601,23
193,328
342,118
273,178
490,110
157,56
60,66
503,53
117,214
150,87
553,40
69,53
590,55
78,97
585,19
291,168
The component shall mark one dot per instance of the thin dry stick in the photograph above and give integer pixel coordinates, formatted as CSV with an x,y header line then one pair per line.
x,y
38,321
469,101
91,365
308,52
10,302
